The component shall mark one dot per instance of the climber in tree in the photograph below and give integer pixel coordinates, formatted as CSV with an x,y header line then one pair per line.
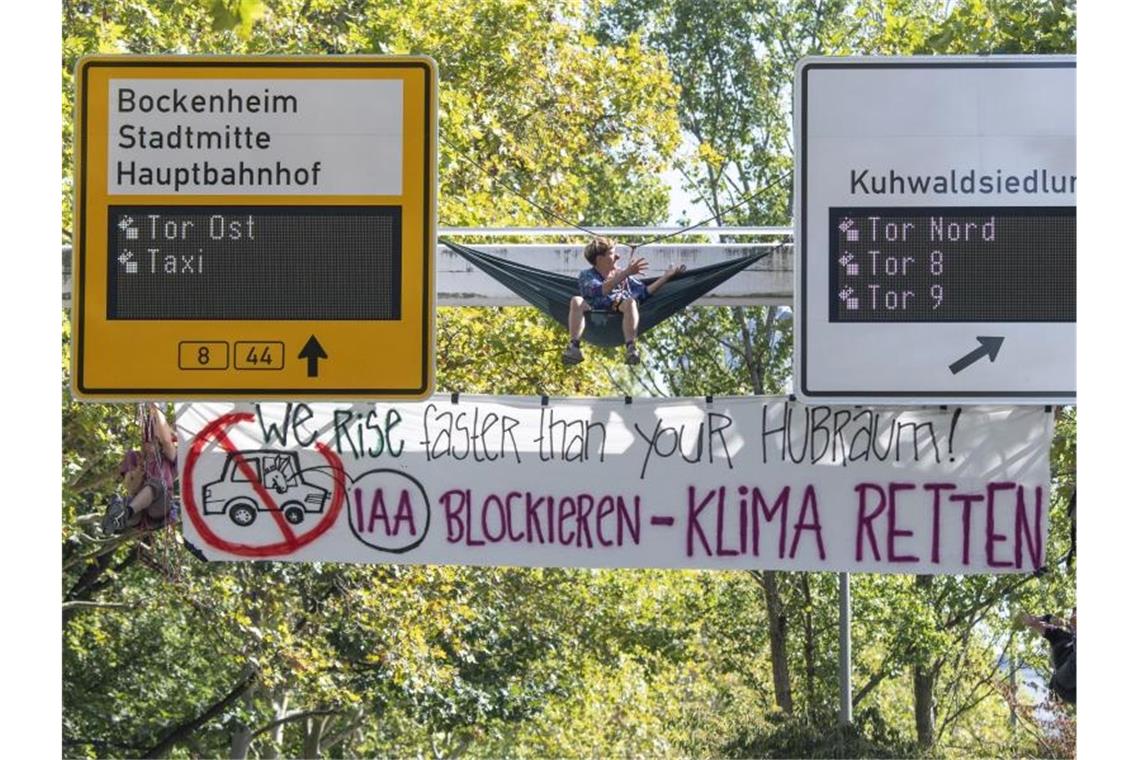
x,y
605,287
147,498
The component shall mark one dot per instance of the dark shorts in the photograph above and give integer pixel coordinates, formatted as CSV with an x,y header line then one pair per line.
x,y
164,510
160,505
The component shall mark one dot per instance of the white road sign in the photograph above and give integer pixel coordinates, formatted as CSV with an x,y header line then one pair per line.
x,y
936,229
256,136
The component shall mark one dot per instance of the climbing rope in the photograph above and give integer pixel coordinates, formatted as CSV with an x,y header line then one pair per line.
x,y
591,233
717,216
517,192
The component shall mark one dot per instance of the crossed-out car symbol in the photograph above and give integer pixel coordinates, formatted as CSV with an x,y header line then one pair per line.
x,y
279,472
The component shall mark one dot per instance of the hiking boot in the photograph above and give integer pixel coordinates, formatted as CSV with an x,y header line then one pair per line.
x,y
115,521
631,355
571,356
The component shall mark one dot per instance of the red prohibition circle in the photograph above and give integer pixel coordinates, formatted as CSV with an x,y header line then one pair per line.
x,y
291,541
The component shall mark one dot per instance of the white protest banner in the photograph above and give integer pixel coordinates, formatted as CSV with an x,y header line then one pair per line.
x,y
747,482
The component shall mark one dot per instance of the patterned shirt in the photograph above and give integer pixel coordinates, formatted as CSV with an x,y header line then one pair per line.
x,y
590,285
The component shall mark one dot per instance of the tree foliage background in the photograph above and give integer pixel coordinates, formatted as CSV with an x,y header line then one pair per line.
x,y
581,107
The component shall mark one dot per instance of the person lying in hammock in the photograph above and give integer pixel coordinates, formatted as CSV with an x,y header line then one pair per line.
x,y
605,287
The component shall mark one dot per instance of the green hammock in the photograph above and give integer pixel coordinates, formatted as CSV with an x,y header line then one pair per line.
x,y
551,293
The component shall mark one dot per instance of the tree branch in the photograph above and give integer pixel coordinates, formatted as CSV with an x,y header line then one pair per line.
x,y
187,727
94,579
695,184
970,702
750,359
299,715
346,733
988,602
82,604
645,386
874,681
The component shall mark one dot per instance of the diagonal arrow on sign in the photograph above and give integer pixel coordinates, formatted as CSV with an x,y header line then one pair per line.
x,y
990,345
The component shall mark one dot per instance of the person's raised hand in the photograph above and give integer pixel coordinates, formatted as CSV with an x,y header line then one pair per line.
x,y
637,266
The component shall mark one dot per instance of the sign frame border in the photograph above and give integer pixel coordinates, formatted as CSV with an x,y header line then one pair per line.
x,y
800,122
84,392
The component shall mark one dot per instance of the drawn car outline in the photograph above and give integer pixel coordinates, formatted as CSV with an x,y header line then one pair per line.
x,y
233,494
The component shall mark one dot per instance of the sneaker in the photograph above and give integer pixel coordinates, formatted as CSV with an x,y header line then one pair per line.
x,y
632,356
115,521
571,356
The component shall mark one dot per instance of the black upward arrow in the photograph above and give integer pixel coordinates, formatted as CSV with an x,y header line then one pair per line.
x,y
990,346
313,352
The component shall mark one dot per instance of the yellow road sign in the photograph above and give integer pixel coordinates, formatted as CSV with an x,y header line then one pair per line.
x,y
254,227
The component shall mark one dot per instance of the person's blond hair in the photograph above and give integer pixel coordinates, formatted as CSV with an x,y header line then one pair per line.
x,y
597,247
